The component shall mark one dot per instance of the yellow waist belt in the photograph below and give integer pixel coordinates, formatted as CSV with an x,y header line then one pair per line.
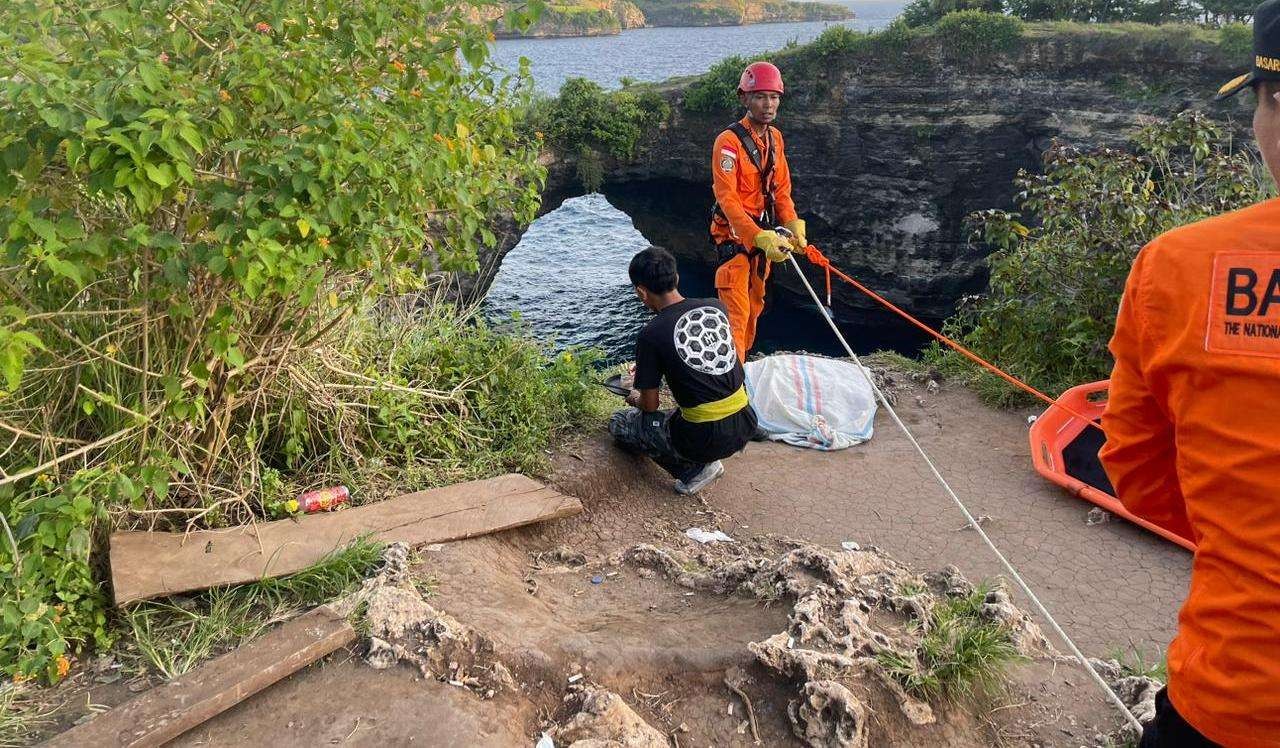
x,y
716,410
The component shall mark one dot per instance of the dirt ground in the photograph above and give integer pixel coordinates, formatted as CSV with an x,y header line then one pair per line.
x,y
666,650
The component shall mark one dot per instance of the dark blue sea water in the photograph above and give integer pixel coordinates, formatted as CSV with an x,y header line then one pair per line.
x,y
567,278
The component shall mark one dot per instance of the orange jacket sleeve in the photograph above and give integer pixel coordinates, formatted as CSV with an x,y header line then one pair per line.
x,y
1139,454
725,185
782,203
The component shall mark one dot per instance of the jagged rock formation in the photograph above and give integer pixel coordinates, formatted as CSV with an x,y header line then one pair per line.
x,y
892,149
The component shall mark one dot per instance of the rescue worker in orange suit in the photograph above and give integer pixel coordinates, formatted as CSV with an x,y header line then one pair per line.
x,y
1193,440
752,184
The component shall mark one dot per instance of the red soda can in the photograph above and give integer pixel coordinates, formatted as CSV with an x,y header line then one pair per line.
x,y
323,500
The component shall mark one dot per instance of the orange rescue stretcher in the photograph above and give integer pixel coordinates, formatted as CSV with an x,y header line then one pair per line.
x,y
1064,449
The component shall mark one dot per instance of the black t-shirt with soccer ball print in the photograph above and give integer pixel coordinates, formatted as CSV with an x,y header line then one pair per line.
x,y
690,345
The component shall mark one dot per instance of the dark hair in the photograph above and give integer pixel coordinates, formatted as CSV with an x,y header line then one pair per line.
x,y
655,269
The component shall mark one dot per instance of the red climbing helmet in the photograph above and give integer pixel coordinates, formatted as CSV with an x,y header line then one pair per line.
x,y
760,76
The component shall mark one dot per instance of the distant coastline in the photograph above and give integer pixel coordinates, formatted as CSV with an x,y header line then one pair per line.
x,y
611,17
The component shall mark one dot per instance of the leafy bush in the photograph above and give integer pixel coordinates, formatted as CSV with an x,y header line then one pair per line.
x,y
196,198
1236,41
974,36
717,89
1050,307
588,120
50,604
926,12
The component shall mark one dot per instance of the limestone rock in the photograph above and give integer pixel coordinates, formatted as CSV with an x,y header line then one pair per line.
x,y
828,715
604,720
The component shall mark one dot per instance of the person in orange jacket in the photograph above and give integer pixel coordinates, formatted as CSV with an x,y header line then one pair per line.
x,y
1193,440
752,184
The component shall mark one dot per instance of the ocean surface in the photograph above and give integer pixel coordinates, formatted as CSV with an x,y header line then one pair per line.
x,y
661,53
566,281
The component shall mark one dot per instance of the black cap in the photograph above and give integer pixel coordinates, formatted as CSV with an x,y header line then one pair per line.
x,y
1266,51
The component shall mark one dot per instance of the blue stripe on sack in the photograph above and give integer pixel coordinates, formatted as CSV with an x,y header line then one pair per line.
x,y
804,367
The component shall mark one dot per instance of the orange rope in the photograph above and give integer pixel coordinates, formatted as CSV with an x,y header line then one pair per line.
x,y
816,257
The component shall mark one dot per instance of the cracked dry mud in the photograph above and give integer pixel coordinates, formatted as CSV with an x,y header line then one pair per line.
x,y
671,620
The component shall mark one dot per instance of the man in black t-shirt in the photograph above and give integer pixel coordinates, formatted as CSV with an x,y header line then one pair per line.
x,y
689,343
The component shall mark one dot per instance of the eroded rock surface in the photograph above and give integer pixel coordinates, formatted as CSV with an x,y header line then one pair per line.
x,y
604,720
851,609
403,627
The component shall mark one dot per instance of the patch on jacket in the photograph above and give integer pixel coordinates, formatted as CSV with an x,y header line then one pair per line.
x,y
728,159
1244,305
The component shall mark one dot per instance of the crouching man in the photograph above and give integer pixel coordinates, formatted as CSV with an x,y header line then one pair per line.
x,y
689,343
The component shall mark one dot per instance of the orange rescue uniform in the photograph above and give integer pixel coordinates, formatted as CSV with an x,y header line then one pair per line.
x,y
1193,443
740,281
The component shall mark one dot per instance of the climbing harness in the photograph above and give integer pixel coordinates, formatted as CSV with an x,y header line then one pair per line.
x,y
764,166
817,258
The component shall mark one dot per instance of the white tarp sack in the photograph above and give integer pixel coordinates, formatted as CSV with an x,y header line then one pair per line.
x,y
810,401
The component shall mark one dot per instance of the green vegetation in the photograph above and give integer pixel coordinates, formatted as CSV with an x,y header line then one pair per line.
x,y
926,12
581,18
972,36
1134,662
176,634
1055,283
1216,12
584,17
1236,40
203,236
970,39
732,12
960,654
594,123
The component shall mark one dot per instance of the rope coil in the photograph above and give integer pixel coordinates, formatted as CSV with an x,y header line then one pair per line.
x,y
818,259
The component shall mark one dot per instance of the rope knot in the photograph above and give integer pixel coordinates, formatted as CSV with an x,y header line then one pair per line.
x,y
815,256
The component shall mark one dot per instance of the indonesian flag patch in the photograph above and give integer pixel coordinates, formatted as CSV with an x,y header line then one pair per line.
x,y
728,158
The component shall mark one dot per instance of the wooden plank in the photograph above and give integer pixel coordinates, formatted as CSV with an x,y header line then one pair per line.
x,y
148,564
166,711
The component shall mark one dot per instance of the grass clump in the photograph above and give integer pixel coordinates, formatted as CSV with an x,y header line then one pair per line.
x,y
176,634
960,654
1135,662
21,716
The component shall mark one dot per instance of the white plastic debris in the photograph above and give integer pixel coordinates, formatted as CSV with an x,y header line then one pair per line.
x,y
575,678
545,742
849,545
702,536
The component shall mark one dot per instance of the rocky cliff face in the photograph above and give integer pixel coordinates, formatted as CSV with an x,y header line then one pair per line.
x,y
890,153
588,18
736,12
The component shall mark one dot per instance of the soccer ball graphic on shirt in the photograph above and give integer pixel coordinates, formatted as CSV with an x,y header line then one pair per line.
x,y
704,341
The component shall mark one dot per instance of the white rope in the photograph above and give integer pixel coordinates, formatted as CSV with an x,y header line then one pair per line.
x,y
964,510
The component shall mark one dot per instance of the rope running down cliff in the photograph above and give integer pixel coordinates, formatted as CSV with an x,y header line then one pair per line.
x,y
1111,695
